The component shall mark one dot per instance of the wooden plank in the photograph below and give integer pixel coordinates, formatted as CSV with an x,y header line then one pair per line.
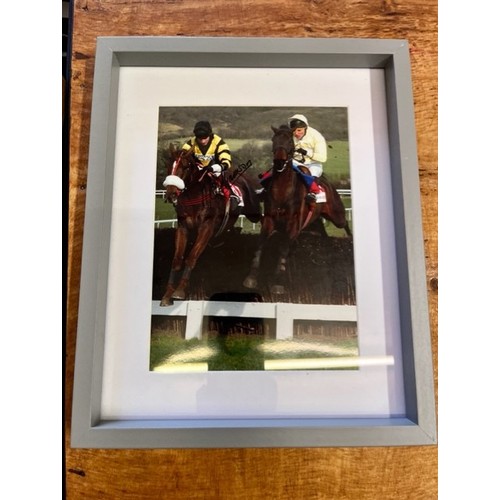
x,y
349,473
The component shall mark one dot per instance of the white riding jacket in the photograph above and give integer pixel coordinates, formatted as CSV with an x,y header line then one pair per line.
x,y
315,145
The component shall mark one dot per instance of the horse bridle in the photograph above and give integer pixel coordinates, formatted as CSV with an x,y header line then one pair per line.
x,y
183,156
287,153
286,161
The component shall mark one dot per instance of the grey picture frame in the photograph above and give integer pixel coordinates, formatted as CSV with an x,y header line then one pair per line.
x,y
418,427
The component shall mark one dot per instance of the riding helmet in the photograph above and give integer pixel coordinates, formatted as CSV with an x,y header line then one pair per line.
x,y
202,129
298,121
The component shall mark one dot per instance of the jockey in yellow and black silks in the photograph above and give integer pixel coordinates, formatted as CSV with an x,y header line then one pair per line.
x,y
209,149
211,152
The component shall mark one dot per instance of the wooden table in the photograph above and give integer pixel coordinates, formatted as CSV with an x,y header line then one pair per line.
x,y
329,473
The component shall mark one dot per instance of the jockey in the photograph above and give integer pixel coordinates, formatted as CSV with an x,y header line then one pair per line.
x,y
211,152
310,150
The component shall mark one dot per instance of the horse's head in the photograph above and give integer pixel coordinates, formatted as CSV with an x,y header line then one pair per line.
x,y
282,146
179,173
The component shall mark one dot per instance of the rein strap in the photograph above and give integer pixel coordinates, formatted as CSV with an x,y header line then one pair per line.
x,y
199,200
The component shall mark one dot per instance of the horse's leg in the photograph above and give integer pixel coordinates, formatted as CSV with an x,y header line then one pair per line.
x,y
347,229
251,209
181,237
292,231
205,232
334,211
278,286
266,231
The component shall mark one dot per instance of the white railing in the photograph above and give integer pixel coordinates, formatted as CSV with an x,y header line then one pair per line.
x,y
173,222
168,222
283,313
342,192
240,223
346,193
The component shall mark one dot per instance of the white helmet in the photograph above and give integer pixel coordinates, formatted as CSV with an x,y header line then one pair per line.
x,y
298,121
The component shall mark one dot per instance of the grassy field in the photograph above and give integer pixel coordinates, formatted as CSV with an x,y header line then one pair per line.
x,y
239,352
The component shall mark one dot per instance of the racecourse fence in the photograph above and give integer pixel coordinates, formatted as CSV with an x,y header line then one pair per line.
x,y
342,192
194,311
284,313
242,222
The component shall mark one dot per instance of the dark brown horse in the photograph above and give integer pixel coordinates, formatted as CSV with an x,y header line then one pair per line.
x,y
287,212
202,214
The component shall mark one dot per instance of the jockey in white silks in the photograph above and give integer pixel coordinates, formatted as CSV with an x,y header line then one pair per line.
x,y
310,150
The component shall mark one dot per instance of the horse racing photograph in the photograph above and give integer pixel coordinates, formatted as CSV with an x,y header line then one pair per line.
x,y
253,265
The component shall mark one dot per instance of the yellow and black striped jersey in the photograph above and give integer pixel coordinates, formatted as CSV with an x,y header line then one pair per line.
x,y
216,151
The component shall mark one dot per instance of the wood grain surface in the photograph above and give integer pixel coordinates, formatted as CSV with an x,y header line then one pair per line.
x,y
322,473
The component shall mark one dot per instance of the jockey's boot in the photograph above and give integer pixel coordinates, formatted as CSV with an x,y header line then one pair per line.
x,y
233,203
230,197
311,196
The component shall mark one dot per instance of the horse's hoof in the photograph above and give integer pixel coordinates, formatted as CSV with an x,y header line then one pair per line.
x,y
179,295
166,301
250,282
278,289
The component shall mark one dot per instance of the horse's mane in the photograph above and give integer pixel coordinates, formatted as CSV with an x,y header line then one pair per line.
x,y
175,149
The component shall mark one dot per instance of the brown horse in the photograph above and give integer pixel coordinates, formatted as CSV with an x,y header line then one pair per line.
x,y
286,211
203,213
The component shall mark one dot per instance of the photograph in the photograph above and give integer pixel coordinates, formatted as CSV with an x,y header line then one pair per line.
x,y
253,265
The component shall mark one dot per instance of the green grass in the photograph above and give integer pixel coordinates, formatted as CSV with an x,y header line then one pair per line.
x,y
164,210
240,352
337,166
